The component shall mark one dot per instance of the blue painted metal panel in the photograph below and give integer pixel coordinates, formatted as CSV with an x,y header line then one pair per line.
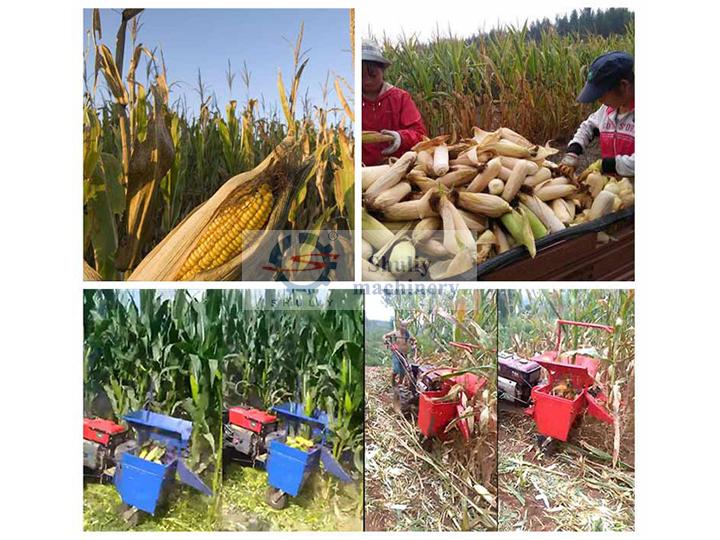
x,y
167,429
333,466
141,483
191,479
288,468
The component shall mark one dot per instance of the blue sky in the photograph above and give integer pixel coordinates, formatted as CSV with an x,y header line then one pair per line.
x,y
207,38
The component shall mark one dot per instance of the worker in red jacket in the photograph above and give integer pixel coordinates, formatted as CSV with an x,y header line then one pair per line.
x,y
611,81
386,109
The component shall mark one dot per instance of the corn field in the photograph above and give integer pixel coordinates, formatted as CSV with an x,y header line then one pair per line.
x,y
149,162
506,79
297,346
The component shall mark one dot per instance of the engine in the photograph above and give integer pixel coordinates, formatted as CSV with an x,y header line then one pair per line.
x,y
516,378
250,431
104,442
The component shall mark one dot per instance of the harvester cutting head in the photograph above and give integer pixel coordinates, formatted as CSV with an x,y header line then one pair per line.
x,y
570,389
143,482
441,395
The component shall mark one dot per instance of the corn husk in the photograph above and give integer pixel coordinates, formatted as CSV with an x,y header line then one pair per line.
x,y
543,212
390,196
521,170
489,171
548,193
518,226
603,204
441,160
539,177
459,264
496,186
370,174
394,175
374,137
426,228
367,250
456,234
411,210
483,204
458,177
375,232
434,248
537,227
283,170
501,242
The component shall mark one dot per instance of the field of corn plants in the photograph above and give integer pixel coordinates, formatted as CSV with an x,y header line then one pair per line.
x,y
451,485
189,354
168,194
163,351
588,482
505,79
298,346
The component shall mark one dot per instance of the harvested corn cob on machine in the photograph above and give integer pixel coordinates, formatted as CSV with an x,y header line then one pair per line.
x,y
440,395
570,390
289,459
143,469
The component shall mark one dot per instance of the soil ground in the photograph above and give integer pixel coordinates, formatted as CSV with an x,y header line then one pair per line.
x,y
573,487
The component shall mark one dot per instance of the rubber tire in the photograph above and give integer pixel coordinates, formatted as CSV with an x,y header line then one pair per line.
x,y
132,519
278,503
402,400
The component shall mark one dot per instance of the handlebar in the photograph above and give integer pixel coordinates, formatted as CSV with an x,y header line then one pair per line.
x,y
563,322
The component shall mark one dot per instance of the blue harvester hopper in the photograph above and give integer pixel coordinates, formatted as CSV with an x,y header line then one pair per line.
x,y
288,468
143,484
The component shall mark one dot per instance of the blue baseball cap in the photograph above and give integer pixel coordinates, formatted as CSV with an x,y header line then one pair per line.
x,y
605,72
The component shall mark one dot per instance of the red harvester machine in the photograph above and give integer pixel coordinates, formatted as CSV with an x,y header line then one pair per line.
x,y
438,394
569,391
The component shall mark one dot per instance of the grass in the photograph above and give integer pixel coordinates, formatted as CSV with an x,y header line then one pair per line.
x,y
323,505
186,510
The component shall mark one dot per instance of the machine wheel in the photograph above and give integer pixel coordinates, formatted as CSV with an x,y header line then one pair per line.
x,y
546,445
276,498
402,400
130,514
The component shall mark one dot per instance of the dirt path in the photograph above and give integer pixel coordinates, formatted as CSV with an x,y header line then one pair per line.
x,y
568,489
409,488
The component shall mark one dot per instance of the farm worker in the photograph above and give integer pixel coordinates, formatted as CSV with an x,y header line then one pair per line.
x,y
387,109
402,338
611,79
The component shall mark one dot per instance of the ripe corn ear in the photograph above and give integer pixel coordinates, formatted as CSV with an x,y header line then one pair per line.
x,y
231,228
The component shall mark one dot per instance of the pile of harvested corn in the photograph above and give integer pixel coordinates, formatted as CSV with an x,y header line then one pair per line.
x,y
439,210
152,452
300,443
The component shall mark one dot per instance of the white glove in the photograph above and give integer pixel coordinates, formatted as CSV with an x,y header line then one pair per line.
x,y
570,160
394,145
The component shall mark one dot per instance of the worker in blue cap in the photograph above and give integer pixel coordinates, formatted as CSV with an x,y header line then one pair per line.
x,y
610,80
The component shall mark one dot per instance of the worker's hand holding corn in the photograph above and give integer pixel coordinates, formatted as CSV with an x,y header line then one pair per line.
x,y
568,164
394,145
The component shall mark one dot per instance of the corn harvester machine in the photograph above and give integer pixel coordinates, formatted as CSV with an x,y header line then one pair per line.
x,y
263,438
110,452
569,391
439,395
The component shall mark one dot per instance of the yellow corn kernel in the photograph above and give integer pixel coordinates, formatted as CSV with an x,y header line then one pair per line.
x,y
224,237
